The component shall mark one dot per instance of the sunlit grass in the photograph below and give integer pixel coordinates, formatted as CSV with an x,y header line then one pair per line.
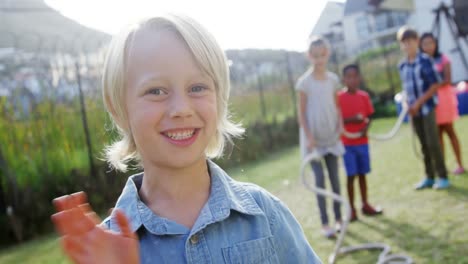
x,y
429,226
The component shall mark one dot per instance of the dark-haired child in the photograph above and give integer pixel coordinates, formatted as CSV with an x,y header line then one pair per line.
x,y
356,109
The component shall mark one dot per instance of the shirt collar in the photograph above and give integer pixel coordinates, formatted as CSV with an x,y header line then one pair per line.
x,y
416,59
225,195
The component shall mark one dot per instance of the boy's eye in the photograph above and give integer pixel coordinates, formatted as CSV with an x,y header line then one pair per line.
x,y
197,88
156,91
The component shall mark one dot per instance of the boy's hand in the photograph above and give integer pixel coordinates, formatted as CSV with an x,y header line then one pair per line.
x,y
359,117
85,242
364,132
414,109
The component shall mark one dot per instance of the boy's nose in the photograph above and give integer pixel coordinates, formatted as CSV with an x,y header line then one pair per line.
x,y
180,106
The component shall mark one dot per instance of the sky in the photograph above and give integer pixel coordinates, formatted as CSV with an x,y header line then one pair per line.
x,y
236,24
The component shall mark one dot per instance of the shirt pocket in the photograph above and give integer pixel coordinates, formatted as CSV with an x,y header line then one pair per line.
x,y
261,251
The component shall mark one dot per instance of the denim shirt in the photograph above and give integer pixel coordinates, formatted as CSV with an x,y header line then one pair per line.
x,y
240,223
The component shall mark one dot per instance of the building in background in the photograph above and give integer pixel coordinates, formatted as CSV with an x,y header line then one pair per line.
x,y
357,26
330,25
366,27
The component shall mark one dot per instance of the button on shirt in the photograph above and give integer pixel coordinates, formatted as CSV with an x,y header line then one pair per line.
x,y
417,77
240,223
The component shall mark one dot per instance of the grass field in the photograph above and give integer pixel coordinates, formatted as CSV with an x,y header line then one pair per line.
x,y
430,226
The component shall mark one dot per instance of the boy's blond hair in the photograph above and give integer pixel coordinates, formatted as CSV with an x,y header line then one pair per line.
x,y
318,41
207,54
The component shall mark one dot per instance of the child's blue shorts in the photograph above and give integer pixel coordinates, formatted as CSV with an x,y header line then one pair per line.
x,y
356,160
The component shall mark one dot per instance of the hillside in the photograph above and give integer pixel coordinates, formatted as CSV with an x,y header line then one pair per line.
x,y
33,25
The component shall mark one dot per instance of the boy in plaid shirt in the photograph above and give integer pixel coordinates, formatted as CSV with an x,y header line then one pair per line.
x,y
420,82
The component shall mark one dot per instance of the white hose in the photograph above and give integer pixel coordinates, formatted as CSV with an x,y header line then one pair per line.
x,y
390,134
384,257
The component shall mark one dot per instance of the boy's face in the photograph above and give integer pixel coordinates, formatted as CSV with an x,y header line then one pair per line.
x,y
171,103
318,56
352,79
409,46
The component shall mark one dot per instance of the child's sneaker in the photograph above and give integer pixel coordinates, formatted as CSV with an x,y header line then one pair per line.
x,y
442,184
459,171
426,183
338,226
370,211
328,232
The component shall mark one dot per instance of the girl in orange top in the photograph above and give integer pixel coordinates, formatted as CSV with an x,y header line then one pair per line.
x,y
446,111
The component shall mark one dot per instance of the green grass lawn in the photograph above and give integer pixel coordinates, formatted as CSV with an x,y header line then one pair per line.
x,y
430,226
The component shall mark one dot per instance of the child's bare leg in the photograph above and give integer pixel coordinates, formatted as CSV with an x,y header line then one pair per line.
x,y
367,209
350,185
363,188
455,143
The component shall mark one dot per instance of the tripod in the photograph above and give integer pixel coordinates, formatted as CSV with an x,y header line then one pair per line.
x,y
444,10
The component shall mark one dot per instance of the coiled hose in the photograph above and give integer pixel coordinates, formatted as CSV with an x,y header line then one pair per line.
x,y
384,257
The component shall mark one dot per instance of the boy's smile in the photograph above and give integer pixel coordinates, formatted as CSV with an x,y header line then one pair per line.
x,y
181,136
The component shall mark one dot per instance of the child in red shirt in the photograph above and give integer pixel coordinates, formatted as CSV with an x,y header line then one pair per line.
x,y
356,109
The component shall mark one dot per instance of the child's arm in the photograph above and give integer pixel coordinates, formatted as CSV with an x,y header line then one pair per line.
x,y
84,241
368,118
447,73
357,119
338,110
429,74
414,108
368,121
302,108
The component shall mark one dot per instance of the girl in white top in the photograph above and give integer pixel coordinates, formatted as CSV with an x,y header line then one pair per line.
x,y
321,123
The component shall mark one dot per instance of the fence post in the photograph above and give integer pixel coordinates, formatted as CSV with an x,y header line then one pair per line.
x,y
260,92
388,70
263,106
4,173
291,84
9,210
84,120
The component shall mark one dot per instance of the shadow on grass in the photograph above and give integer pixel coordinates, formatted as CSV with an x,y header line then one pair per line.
x,y
415,241
458,192
354,238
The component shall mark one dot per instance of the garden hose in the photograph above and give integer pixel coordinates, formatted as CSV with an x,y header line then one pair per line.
x,y
384,257
389,135
382,137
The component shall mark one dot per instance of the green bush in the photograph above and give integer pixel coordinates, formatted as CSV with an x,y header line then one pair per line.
x,y
384,109
260,139
63,168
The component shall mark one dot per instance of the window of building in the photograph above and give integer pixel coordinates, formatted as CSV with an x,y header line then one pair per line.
x,y
400,18
381,21
362,25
